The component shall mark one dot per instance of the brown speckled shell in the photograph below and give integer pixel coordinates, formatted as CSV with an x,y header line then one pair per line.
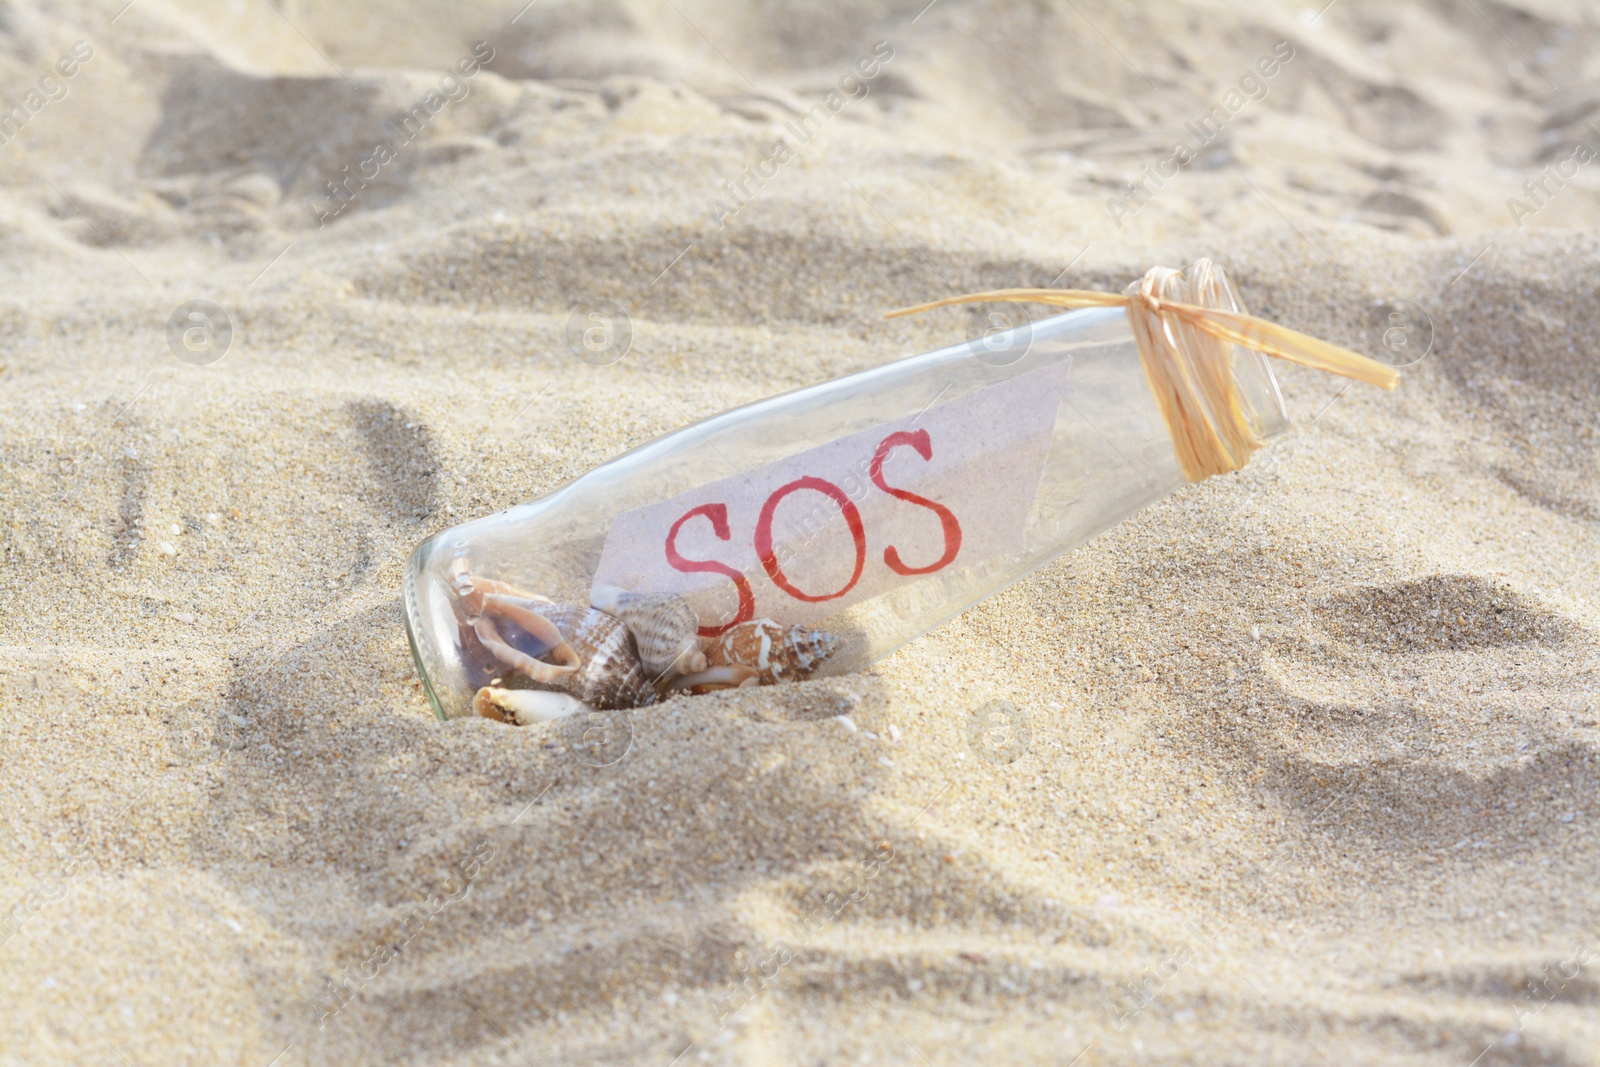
x,y
664,630
611,675
780,653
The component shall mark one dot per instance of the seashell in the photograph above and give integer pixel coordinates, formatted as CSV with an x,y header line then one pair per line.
x,y
523,707
517,633
777,653
663,625
713,679
609,674
580,651
479,665
501,629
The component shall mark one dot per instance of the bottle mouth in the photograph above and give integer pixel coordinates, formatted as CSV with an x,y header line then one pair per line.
x,y
1258,388
1219,398
1204,359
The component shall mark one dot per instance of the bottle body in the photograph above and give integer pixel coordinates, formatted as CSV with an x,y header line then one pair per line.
x,y
870,508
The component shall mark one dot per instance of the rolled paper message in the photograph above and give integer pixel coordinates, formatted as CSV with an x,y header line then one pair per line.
x,y
811,533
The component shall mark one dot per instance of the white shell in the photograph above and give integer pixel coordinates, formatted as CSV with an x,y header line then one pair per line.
x,y
525,706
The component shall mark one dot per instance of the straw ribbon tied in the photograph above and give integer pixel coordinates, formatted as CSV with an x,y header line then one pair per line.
x,y
1189,327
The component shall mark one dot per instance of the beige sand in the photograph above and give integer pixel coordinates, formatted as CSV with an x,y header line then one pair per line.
x,y
1311,764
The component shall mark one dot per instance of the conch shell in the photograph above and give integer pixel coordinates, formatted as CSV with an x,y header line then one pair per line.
x,y
577,651
663,625
761,652
610,675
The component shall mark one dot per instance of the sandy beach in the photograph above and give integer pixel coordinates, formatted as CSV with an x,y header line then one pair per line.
x,y
1310,767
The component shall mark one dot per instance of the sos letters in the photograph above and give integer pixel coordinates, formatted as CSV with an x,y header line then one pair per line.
x,y
807,536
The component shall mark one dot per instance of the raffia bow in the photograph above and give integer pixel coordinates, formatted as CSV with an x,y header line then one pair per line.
x,y
1186,325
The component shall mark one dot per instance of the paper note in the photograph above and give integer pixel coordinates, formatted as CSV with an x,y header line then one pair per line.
x,y
807,536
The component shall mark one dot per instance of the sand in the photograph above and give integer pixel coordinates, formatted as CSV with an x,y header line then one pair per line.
x,y
1310,766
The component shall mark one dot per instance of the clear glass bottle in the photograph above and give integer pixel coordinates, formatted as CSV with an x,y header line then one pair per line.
x,y
870,508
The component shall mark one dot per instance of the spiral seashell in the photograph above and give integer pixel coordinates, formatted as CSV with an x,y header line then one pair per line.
x,y
663,625
777,653
576,650
609,674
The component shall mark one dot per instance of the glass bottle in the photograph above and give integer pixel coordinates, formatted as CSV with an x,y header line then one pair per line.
x,y
855,514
